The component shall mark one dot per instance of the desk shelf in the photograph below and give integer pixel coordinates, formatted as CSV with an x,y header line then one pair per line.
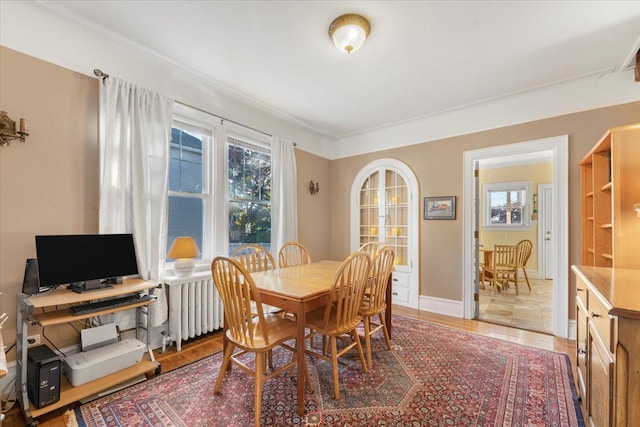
x,y
27,307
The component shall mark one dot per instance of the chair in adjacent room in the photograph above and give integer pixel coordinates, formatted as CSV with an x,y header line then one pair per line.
x,y
524,248
250,332
502,266
339,318
374,302
254,257
293,253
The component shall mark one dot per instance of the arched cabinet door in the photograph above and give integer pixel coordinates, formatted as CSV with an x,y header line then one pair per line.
x,y
384,208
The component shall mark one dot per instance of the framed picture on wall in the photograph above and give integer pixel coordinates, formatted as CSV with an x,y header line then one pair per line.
x,y
440,207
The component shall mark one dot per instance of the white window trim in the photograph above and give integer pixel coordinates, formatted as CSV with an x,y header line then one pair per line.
x,y
506,186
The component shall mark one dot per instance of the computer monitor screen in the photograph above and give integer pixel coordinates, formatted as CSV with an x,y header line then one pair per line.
x,y
85,260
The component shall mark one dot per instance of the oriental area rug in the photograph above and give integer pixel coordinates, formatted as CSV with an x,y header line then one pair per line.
x,y
433,376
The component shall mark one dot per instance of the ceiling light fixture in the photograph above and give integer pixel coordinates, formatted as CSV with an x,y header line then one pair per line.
x,y
349,32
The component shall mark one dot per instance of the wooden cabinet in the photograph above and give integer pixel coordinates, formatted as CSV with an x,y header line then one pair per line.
x,y
608,345
610,185
52,309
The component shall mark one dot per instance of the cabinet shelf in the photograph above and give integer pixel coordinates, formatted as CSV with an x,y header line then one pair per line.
x,y
606,187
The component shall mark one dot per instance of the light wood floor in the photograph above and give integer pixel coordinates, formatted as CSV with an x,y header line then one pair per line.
x,y
213,344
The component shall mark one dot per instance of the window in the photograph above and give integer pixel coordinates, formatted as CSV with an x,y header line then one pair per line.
x,y
505,206
249,193
220,205
188,178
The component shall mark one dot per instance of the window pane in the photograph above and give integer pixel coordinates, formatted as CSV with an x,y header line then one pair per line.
x,y
249,223
185,162
186,218
249,174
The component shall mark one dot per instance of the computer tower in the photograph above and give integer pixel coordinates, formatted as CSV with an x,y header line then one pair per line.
x,y
43,376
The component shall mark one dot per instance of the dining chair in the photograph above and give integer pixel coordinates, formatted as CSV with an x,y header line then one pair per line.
x,y
371,248
523,252
374,301
502,266
293,253
339,318
254,257
250,332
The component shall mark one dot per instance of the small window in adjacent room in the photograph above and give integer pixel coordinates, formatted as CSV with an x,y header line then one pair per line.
x,y
505,206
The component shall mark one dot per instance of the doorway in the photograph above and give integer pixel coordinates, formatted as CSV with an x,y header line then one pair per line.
x,y
559,223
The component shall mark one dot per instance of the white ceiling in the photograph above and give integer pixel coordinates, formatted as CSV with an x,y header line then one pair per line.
x,y
421,59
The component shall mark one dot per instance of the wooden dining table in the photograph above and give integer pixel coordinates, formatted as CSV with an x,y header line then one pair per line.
x,y
301,289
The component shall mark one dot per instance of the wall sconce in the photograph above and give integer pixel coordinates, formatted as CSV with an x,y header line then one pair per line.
x,y
314,188
8,131
636,207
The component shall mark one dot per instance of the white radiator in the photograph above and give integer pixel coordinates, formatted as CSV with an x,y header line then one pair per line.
x,y
195,307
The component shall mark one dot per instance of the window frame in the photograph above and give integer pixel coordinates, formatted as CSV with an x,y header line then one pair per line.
x,y
507,186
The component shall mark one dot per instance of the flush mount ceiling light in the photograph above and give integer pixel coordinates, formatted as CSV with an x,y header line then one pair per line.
x,y
349,32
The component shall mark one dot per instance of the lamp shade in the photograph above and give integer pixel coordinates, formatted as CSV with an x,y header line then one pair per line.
x,y
183,250
183,247
349,32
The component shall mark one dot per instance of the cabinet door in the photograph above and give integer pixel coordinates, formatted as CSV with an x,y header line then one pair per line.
x,y
384,209
600,382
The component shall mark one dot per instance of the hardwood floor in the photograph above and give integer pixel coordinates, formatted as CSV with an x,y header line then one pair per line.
x,y
212,344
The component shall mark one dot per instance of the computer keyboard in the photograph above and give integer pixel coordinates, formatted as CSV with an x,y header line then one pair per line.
x,y
92,307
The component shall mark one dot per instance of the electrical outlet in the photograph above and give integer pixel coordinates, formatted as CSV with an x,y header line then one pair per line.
x,y
33,340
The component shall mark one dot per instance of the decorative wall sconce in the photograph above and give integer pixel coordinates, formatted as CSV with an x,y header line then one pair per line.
x,y
636,207
8,131
314,188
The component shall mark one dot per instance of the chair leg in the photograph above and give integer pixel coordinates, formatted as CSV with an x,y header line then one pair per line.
x,y
387,338
367,338
223,368
356,338
334,364
526,277
482,279
515,280
257,402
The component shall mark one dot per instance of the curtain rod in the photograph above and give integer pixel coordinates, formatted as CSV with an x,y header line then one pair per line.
x,y
103,75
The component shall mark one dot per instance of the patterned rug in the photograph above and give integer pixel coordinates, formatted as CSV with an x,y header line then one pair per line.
x,y
433,376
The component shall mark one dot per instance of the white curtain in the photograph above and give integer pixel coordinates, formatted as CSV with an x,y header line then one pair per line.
x,y
134,146
284,199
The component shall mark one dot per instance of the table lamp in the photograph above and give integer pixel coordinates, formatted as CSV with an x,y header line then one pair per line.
x,y
184,249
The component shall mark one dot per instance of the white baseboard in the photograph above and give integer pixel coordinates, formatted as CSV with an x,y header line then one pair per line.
x,y
441,306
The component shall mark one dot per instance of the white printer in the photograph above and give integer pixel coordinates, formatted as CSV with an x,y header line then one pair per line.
x,y
102,360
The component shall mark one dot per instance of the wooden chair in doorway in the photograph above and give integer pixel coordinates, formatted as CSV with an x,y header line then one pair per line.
x,y
339,318
293,253
250,332
523,252
502,266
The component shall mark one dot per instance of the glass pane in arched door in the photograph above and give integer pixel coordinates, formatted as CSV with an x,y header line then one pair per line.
x,y
396,208
370,209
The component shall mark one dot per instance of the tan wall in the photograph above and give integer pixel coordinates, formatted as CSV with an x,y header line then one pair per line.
x,y
49,184
536,174
438,167
313,210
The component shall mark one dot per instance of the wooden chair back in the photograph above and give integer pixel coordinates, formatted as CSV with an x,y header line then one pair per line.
x,y
346,294
254,257
381,267
504,256
293,253
371,248
523,249
237,290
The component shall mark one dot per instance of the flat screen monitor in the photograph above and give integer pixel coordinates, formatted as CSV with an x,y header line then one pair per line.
x,y
85,261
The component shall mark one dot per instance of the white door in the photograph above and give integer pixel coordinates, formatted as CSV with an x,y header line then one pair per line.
x,y
384,209
546,239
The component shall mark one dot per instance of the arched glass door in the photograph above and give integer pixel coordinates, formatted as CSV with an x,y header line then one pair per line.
x,y
384,209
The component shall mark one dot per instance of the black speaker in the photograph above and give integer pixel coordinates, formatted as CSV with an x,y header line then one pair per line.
x,y
31,282
43,376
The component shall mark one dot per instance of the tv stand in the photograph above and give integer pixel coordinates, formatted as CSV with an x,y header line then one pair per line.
x,y
31,311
